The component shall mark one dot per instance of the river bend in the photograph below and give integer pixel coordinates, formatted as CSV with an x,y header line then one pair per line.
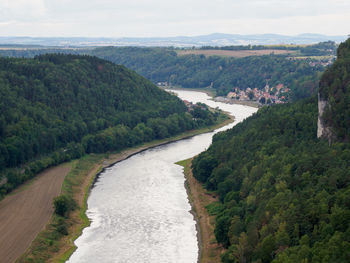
x,y
139,209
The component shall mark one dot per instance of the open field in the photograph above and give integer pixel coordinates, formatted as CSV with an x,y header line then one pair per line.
x,y
234,53
25,212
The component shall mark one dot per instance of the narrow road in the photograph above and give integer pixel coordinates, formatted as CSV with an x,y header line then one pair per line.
x,y
25,212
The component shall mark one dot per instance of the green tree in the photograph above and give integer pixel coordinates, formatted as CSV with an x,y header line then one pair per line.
x,y
63,204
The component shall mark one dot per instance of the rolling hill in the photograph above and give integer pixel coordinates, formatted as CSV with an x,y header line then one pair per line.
x,y
55,108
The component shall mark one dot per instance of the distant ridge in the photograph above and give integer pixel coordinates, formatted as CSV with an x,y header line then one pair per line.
x,y
215,39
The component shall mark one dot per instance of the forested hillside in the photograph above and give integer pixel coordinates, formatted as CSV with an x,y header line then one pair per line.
x,y
54,108
222,73
284,193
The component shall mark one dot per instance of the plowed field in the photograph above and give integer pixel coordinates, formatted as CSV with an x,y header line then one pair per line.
x,y
25,212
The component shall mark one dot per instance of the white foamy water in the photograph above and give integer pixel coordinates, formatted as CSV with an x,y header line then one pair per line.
x,y
139,208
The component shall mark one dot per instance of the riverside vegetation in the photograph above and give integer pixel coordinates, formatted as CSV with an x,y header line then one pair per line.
x,y
55,108
56,242
69,107
284,193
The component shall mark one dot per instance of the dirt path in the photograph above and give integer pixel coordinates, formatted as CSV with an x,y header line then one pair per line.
x,y
25,212
210,250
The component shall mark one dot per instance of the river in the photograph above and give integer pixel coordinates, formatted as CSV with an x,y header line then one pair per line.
x,y
139,209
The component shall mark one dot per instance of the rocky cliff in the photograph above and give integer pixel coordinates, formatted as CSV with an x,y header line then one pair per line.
x,y
323,131
334,98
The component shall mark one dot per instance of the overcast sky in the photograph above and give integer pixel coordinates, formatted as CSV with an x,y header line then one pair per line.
x,y
142,18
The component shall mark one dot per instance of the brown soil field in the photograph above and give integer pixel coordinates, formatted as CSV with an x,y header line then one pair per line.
x,y
234,53
25,212
67,242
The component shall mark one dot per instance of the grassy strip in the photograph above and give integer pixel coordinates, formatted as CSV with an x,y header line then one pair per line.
x,y
55,236
51,245
85,222
202,202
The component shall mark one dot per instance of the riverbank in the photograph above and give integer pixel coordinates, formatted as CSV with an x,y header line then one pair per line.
x,y
212,93
249,103
209,250
209,91
78,183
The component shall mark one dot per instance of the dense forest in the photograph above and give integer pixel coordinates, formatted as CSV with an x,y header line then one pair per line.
x,y
54,108
284,194
222,73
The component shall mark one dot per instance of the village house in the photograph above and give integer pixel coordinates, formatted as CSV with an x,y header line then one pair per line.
x,y
268,94
231,95
162,84
188,104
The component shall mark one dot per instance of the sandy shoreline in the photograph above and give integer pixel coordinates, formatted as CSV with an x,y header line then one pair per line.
x,y
209,91
249,103
209,250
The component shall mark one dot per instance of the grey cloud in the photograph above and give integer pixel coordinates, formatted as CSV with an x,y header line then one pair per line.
x,y
152,17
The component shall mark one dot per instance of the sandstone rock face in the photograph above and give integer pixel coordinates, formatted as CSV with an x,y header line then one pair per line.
x,y
321,108
323,131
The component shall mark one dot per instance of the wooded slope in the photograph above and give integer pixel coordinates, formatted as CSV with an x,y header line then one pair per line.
x,y
284,193
54,108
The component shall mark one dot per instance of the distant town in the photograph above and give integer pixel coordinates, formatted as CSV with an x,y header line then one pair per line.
x,y
269,95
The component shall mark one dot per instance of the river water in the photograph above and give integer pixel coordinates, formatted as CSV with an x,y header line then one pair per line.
x,y
139,207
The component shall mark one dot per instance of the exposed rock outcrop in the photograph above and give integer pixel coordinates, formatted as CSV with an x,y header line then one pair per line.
x,y
323,131
334,98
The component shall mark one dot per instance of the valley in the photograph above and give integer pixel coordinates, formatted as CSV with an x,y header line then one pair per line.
x,y
278,179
